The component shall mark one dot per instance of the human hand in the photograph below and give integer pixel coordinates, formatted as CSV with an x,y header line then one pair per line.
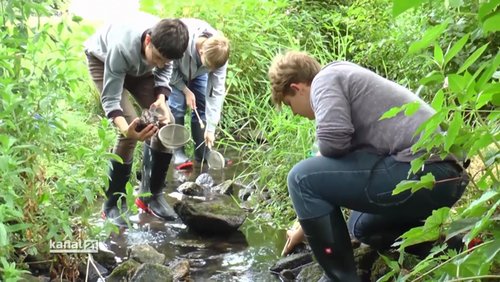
x,y
294,236
160,106
142,135
190,98
209,139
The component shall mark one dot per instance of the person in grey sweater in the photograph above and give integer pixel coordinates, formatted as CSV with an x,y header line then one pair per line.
x,y
361,160
198,82
136,56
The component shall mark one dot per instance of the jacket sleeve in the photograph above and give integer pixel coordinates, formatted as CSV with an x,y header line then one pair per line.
x,y
162,78
216,91
114,77
177,80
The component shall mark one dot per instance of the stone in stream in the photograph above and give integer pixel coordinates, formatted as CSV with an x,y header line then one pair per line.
x,y
191,189
152,272
218,216
123,272
225,187
146,254
205,180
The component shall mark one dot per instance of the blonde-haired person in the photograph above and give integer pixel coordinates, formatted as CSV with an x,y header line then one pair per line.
x,y
198,82
361,160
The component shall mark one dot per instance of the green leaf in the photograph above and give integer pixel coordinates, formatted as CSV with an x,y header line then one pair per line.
x,y
453,51
412,108
453,130
480,143
473,58
438,55
437,101
430,36
479,202
399,6
426,181
461,226
391,113
486,8
433,76
488,73
4,239
492,24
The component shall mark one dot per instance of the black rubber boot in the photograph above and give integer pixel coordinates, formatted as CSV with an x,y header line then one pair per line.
x,y
198,135
119,175
331,245
179,153
154,171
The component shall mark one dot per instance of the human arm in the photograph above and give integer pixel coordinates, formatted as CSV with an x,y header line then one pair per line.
x,y
334,128
294,236
214,101
162,91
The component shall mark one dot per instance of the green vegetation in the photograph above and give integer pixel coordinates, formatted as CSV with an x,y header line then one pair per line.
x,y
54,145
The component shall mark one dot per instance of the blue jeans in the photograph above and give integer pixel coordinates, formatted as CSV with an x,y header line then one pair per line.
x,y
177,100
363,182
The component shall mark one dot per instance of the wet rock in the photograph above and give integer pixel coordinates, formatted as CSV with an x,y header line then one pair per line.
x,y
105,257
205,180
94,274
218,216
152,272
229,276
146,254
291,261
123,272
180,269
28,277
191,189
188,244
225,187
310,272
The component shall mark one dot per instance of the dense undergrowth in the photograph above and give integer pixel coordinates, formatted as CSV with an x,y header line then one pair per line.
x,y
54,146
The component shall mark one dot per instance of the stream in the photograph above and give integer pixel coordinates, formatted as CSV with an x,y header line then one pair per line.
x,y
243,256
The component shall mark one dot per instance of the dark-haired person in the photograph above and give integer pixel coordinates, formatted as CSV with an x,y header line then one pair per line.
x,y
362,160
136,56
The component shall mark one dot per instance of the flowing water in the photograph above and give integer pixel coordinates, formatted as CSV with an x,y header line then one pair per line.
x,y
243,256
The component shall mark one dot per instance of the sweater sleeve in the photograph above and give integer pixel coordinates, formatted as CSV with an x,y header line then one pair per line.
x,y
114,77
334,128
177,80
216,90
162,78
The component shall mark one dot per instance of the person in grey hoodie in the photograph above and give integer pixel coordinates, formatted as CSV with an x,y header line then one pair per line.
x,y
361,160
136,56
198,82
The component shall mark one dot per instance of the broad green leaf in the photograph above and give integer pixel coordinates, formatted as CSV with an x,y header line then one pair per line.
x,y
488,73
453,3
492,24
391,113
483,98
438,54
433,76
473,58
452,132
399,6
486,8
461,226
430,36
483,223
453,51
456,83
412,108
479,202
480,143
437,101
427,181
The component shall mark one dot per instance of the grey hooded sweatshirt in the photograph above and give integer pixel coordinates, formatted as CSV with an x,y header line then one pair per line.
x,y
118,46
190,67
348,101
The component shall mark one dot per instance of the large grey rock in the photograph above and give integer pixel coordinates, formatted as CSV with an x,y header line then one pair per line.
x,y
191,189
152,272
105,256
225,187
218,216
205,180
180,270
144,253
291,261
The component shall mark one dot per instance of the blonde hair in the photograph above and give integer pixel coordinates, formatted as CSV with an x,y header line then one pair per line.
x,y
216,51
292,67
